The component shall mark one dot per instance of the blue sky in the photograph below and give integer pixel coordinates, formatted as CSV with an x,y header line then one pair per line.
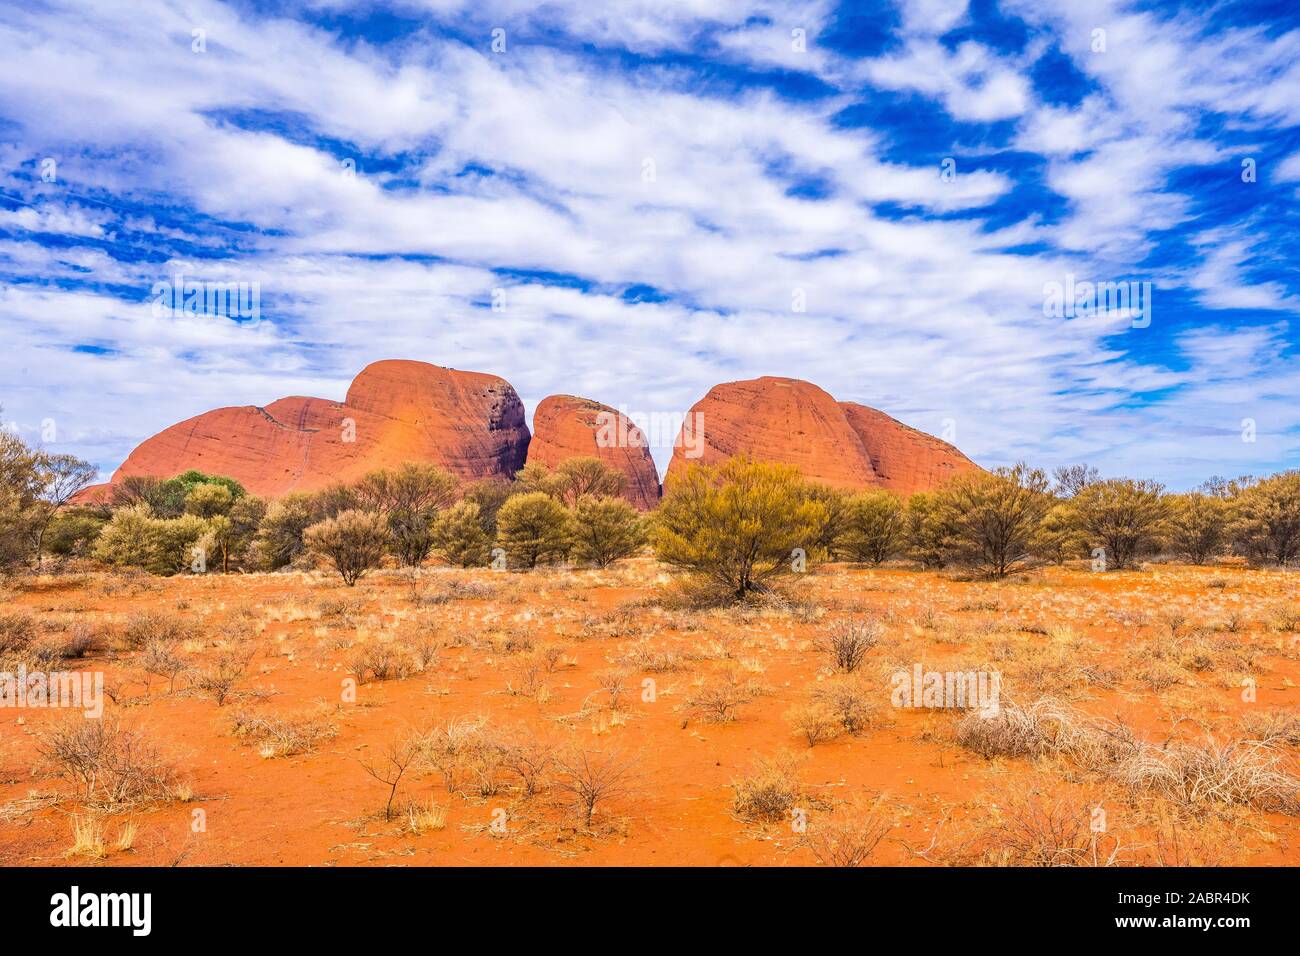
x,y
647,189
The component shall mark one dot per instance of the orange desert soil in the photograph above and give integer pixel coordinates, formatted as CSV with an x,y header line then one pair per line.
x,y
322,809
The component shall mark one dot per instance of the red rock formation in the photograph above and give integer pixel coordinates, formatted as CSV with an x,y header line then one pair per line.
x,y
794,422
469,423
568,427
904,458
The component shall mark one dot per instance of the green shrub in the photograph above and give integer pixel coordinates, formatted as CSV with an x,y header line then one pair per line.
x,y
459,537
353,542
605,530
533,528
738,525
875,526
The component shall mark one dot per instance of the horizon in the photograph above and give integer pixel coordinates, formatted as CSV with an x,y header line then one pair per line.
x,y
895,202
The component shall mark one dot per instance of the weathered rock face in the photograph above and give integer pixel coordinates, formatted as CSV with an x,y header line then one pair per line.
x,y
794,422
568,427
395,411
904,459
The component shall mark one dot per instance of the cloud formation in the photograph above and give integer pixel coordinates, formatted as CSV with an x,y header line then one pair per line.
x,y
650,195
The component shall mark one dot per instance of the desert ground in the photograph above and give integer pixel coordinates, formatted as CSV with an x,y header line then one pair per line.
x,y
1161,702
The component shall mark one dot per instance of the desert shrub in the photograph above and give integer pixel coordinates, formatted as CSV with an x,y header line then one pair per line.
x,y
152,627
1122,515
1031,831
847,642
527,677
848,837
34,486
739,525
17,631
994,516
446,749
161,658
134,538
353,543
928,535
379,660
78,641
1069,480
593,777
836,504
1274,726
1059,538
530,758
605,530
245,520
1198,526
614,685
279,538
219,678
1038,728
284,736
409,499
178,543
533,528
572,479
128,540
459,537
874,527
390,765
1267,519
73,532
769,791
814,722
208,500
1242,772
717,698
850,700
489,495
113,765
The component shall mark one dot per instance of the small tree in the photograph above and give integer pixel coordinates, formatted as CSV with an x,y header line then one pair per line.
x,y
409,500
20,487
739,524
571,479
606,529
175,541
127,540
1058,538
874,528
136,490
1267,519
836,502
1123,515
279,537
459,537
929,537
1198,526
1072,479
62,476
208,500
593,778
995,515
353,543
489,495
533,528
588,476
